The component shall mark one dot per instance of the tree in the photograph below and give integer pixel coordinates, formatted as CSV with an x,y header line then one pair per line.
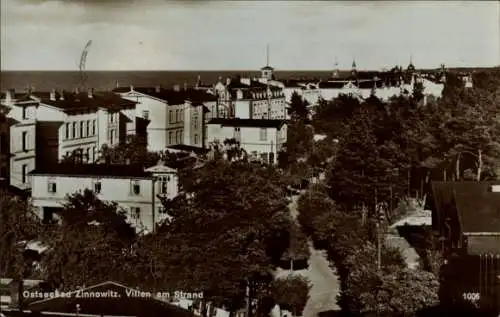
x,y
291,293
18,225
90,245
132,151
222,232
398,292
298,108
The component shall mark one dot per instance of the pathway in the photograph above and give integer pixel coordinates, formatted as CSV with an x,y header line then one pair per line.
x,y
324,281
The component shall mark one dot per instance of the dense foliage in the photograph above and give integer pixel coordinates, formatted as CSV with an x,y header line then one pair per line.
x,y
291,293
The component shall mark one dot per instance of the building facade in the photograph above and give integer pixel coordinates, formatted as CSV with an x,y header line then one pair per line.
x,y
21,115
247,98
175,116
80,123
261,139
136,191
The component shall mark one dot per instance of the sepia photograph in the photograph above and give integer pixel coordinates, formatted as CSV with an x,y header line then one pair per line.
x,y
207,158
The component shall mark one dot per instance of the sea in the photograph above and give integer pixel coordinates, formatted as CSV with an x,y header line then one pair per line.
x,y
108,80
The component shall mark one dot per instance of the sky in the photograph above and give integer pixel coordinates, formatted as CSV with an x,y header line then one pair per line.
x,y
233,35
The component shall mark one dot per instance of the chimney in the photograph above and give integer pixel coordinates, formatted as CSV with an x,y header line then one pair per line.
x,y
177,88
77,91
185,86
8,95
90,93
131,88
117,84
157,89
61,95
53,95
228,80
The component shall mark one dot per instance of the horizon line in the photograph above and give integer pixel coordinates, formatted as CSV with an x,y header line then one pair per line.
x,y
233,70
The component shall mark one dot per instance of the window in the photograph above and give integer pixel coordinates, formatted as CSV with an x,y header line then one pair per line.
x,y
177,116
93,127
73,130
171,116
263,134
178,137
195,119
81,129
87,155
25,113
25,141
24,173
145,114
97,187
196,139
135,212
163,184
94,154
4,145
182,135
87,131
111,136
182,115
52,188
67,131
170,137
264,158
111,117
136,188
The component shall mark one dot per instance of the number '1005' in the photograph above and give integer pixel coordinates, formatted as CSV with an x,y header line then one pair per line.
x,y
471,296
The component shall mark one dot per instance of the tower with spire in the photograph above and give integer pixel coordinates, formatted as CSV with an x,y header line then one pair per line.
x,y
267,72
354,70
335,72
411,67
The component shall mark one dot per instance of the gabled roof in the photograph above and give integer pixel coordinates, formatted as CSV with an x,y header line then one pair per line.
x,y
249,123
122,304
89,170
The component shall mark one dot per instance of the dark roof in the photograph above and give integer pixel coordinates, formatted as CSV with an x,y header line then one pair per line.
x,y
105,170
479,212
189,148
332,84
171,96
124,305
267,68
443,197
81,100
257,123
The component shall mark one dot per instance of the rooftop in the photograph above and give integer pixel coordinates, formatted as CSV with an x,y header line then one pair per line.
x,y
84,170
479,212
171,96
82,100
250,123
188,148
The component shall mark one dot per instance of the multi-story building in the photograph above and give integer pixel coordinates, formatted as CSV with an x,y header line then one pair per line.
x,y
247,98
260,138
80,122
176,116
4,146
135,190
22,137
46,127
